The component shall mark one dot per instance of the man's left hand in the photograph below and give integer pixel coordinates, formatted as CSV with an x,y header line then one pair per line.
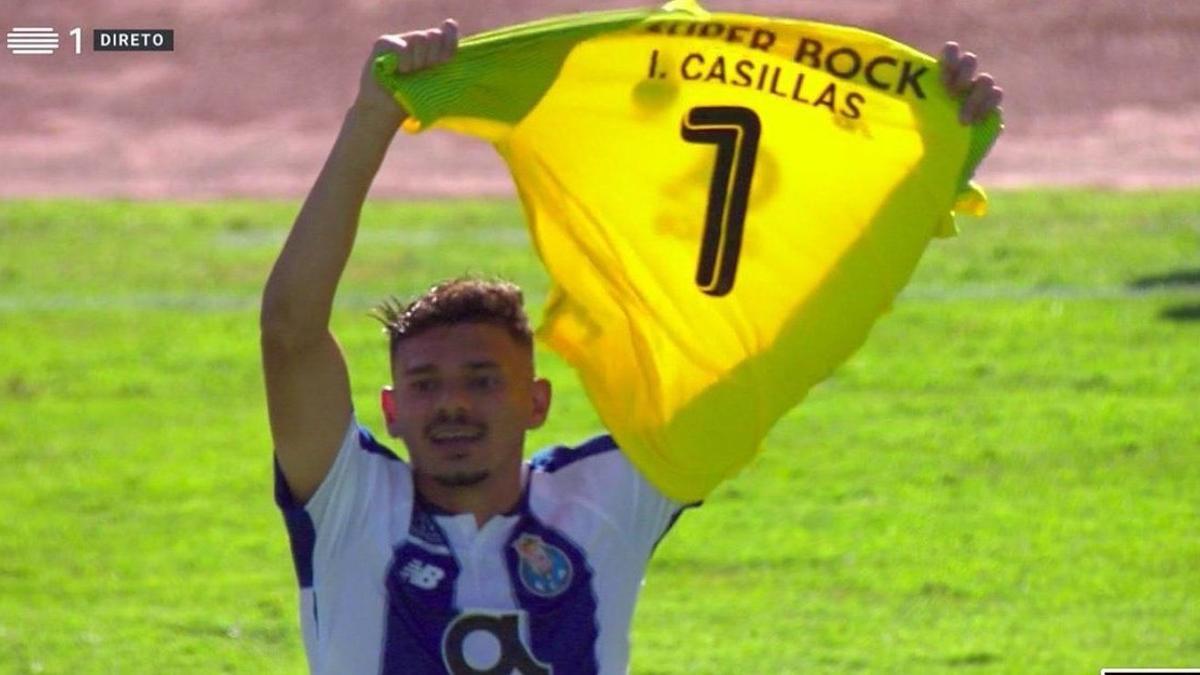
x,y
979,93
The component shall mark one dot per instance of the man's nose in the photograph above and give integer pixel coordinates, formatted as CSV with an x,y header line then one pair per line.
x,y
454,400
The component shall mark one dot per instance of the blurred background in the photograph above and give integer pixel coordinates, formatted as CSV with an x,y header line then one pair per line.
x,y
1099,93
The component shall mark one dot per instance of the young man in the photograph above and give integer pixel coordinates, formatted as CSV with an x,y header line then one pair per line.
x,y
466,559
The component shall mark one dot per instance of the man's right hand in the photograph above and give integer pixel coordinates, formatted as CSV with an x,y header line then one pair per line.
x,y
415,50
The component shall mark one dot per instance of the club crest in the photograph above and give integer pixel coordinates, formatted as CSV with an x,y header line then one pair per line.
x,y
544,569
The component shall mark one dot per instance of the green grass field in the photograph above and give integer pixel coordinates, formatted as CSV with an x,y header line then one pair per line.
x,y
1006,479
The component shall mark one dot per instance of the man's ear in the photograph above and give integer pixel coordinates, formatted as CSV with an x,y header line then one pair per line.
x,y
387,400
541,402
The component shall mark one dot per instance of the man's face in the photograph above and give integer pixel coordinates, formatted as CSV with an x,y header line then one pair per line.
x,y
462,398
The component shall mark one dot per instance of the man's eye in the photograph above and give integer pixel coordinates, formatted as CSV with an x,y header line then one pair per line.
x,y
484,381
422,386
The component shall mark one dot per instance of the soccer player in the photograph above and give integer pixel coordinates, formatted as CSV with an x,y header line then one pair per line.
x,y
466,559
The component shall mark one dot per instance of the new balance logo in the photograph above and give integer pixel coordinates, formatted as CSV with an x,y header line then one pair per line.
x,y
421,575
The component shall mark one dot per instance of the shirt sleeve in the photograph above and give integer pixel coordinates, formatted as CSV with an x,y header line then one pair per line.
x,y
653,513
364,474
599,474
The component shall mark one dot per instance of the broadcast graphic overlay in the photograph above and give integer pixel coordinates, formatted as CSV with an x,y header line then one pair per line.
x,y
35,40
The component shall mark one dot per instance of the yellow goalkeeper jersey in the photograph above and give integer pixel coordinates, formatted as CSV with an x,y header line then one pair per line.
x,y
725,205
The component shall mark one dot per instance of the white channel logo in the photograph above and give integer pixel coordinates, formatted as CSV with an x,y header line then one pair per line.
x,y
32,40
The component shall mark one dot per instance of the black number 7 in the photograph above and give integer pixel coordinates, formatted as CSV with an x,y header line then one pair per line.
x,y
734,130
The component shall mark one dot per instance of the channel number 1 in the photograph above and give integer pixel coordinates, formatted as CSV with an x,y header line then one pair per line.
x,y
735,131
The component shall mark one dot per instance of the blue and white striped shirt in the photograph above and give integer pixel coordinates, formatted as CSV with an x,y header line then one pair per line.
x,y
390,584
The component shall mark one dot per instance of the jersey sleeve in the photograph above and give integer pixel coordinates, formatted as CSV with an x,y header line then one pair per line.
x,y
365,475
725,204
600,475
653,512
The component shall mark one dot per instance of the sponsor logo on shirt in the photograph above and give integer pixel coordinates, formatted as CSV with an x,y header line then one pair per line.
x,y
508,632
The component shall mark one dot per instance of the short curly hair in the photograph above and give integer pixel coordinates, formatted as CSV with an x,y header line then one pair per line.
x,y
456,301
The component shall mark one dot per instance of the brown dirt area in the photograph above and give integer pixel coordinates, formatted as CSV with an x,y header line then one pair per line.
x,y
1098,92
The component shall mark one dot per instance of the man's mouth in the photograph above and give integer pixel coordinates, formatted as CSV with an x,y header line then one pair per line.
x,y
451,435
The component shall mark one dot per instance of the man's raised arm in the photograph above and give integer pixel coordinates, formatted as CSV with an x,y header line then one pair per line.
x,y
308,388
